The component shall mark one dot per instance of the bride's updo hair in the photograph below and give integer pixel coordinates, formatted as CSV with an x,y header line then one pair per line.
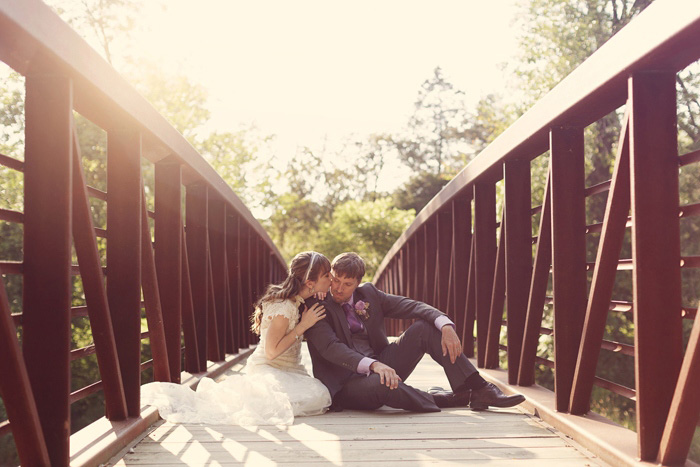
x,y
308,265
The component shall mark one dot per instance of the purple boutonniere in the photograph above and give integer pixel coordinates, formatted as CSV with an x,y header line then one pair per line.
x,y
362,309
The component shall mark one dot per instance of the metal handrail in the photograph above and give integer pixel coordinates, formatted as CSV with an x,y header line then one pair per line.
x,y
665,36
32,36
466,266
64,74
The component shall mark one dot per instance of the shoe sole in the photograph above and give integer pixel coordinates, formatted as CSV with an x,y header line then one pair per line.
x,y
511,403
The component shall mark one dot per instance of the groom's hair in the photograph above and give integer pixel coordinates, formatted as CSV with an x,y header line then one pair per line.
x,y
349,265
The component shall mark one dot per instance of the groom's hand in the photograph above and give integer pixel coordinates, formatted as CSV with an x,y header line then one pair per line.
x,y
450,343
387,375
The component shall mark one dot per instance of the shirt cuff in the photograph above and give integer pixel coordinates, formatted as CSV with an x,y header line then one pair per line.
x,y
363,366
443,321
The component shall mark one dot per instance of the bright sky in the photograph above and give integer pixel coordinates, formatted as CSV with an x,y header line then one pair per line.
x,y
306,69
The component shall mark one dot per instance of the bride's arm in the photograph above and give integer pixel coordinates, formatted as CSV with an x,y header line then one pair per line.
x,y
278,339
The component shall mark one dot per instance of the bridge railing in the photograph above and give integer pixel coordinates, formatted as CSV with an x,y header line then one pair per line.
x,y
191,271
458,256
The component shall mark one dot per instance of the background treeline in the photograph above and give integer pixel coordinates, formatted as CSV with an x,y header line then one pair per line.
x,y
332,200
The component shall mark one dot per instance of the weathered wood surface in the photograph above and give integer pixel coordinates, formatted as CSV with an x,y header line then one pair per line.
x,y
385,437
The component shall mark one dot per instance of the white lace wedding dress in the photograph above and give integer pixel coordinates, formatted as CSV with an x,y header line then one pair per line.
x,y
270,392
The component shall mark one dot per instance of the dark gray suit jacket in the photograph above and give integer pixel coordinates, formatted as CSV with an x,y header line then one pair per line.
x,y
330,343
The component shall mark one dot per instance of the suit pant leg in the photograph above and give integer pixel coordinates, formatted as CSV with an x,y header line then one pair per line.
x,y
367,393
420,338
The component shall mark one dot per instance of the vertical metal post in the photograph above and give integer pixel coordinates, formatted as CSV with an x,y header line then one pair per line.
x,y
151,298
189,325
217,239
498,298
444,255
429,252
607,259
685,407
246,279
95,294
124,256
538,292
420,265
47,255
655,251
485,259
232,254
196,214
17,395
168,255
568,254
518,256
462,238
413,267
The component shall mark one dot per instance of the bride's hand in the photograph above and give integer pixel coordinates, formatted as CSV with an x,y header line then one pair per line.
x,y
312,315
320,295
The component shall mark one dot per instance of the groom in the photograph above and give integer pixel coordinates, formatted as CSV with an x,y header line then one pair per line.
x,y
352,356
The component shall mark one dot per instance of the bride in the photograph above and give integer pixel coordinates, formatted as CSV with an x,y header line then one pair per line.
x,y
275,387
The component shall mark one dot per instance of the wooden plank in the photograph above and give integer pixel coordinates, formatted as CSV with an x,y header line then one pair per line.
x,y
308,432
655,251
238,452
47,255
256,460
384,437
149,445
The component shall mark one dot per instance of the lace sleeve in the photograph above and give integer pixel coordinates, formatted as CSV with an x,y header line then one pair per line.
x,y
284,308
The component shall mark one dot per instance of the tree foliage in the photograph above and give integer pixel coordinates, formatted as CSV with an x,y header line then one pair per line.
x,y
368,228
434,138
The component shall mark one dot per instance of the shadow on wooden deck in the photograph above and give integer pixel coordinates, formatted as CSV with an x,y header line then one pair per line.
x,y
384,437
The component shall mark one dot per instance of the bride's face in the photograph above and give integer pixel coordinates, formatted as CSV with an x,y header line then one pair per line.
x,y
323,282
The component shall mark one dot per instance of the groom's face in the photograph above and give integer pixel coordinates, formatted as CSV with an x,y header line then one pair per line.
x,y
342,287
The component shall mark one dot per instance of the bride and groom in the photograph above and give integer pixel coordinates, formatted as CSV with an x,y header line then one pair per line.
x,y
354,364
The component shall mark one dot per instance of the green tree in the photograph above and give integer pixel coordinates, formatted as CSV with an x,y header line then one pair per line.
x,y
369,228
418,191
100,22
434,138
241,158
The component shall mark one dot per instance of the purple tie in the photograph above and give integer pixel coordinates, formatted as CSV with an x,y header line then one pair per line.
x,y
353,320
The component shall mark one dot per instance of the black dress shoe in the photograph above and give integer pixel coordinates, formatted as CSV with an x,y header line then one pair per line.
x,y
490,395
447,399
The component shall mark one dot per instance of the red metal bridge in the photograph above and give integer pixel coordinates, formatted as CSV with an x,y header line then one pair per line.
x,y
194,270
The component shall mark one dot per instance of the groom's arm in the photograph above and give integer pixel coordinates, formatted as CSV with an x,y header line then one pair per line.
x,y
324,339
396,306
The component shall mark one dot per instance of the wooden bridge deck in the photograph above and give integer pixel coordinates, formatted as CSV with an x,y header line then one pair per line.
x,y
384,437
